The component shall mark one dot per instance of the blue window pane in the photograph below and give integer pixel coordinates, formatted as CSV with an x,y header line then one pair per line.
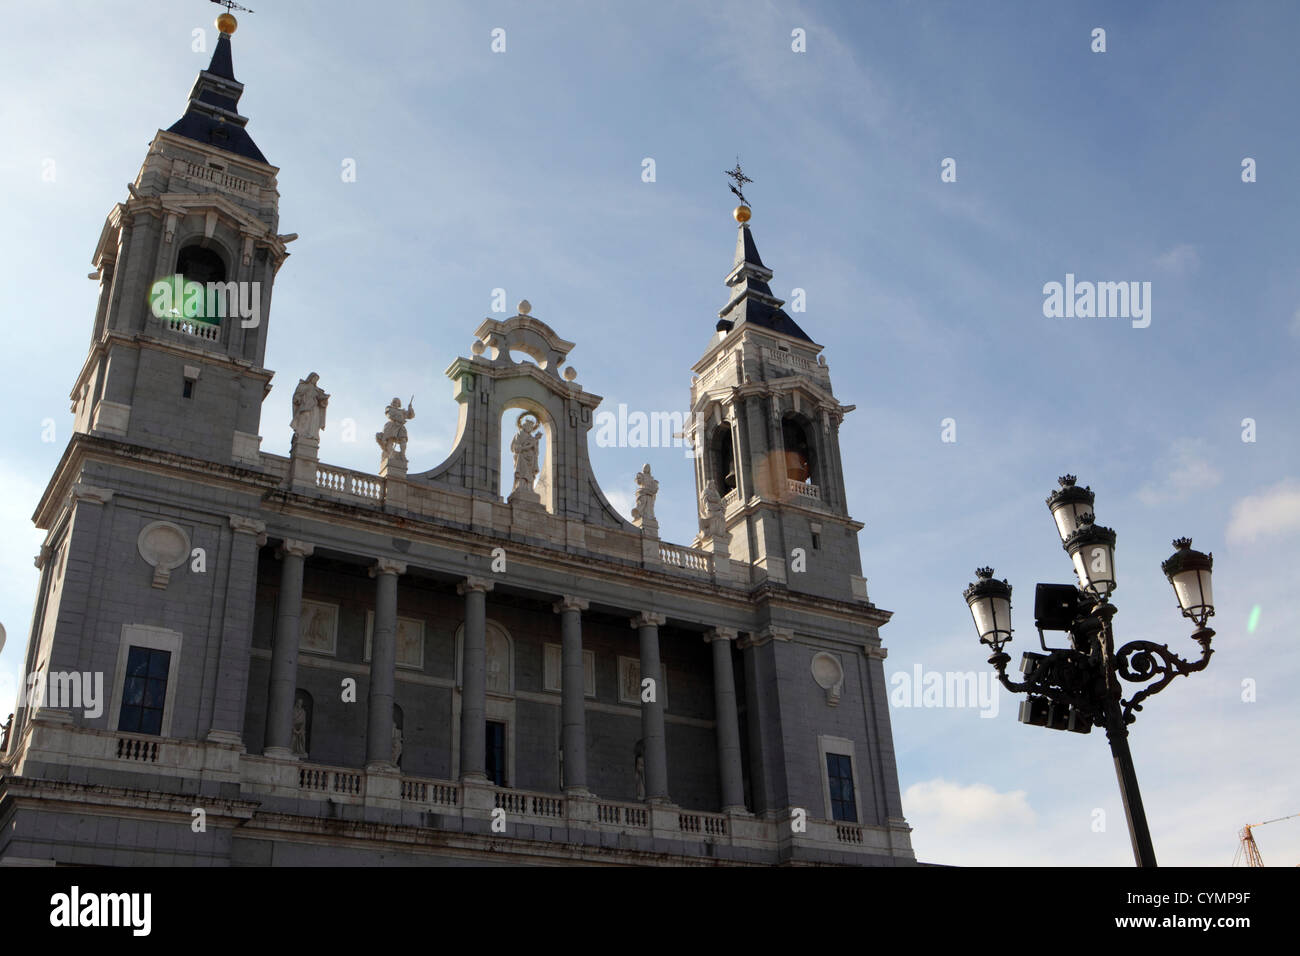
x,y
137,662
159,662
134,692
155,693
130,720
151,722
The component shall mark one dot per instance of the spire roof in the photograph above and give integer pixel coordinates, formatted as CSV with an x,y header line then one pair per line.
x,y
212,116
752,301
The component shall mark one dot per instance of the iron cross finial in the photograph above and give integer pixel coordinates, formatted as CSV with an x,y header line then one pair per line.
x,y
739,179
231,5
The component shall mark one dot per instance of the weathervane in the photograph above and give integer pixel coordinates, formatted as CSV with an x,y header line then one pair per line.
x,y
231,5
739,178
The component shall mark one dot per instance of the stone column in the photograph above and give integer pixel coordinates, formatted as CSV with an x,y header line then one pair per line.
x,y
473,694
652,712
284,653
726,719
574,695
227,725
383,666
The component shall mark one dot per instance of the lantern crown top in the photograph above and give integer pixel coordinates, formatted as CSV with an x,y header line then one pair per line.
x,y
1182,544
1067,481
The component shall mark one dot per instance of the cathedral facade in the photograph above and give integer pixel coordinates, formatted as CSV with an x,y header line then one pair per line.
x,y
241,658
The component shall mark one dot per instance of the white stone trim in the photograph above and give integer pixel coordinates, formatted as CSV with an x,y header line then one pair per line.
x,y
843,747
154,638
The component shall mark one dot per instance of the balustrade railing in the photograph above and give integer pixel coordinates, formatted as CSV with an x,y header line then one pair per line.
x,y
689,559
135,748
524,804
329,780
622,815
803,489
352,483
432,792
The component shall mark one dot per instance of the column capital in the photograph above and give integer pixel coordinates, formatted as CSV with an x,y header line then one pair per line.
x,y
765,636
299,549
720,634
569,602
472,583
387,566
241,525
648,619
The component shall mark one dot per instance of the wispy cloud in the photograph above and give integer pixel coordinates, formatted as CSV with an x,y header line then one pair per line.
x,y
1274,511
1180,260
1185,470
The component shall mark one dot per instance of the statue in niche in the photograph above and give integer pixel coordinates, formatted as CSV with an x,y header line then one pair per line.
x,y
394,433
299,727
397,745
309,402
638,764
713,522
646,490
524,446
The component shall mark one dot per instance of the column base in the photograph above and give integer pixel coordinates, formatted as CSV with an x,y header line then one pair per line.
x,y
227,737
281,753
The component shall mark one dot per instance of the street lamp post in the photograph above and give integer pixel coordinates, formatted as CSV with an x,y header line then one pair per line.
x,y
1079,687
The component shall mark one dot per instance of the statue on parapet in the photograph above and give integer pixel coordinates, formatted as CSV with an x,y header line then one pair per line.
x,y
713,513
394,433
647,488
309,403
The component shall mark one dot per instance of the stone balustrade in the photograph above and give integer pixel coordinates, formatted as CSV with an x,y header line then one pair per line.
x,y
350,484
803,489
687,559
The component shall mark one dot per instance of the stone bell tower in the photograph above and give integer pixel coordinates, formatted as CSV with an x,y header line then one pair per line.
x,y
177,363
765,426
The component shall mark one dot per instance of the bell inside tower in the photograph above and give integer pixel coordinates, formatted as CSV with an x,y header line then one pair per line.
x,y
798,454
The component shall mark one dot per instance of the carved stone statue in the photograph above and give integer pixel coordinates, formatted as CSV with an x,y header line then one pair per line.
x,y
638,762
397,744
299,727
524,446
5,729
646,490
394,433
713,522
309,401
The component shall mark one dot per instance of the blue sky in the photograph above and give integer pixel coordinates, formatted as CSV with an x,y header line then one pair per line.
x,y
522,170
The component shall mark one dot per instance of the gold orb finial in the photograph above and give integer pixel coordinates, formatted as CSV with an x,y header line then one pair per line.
x,y
226,23
741,213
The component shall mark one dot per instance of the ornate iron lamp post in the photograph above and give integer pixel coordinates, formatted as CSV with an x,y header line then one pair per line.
x,y
1079,687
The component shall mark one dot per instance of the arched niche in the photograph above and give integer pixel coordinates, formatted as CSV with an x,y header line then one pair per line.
x,y
515,452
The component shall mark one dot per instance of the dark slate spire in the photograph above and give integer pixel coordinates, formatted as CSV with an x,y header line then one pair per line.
x,y
752,300
212,116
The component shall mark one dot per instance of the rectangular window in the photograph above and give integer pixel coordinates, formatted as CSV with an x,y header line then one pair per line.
x,y
144,690
188,390
496,752
839,775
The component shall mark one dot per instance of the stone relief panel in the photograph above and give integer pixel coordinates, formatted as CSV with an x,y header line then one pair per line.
x,y
318,628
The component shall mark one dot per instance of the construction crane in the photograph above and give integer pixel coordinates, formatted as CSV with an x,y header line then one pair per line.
x,y
1248,846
